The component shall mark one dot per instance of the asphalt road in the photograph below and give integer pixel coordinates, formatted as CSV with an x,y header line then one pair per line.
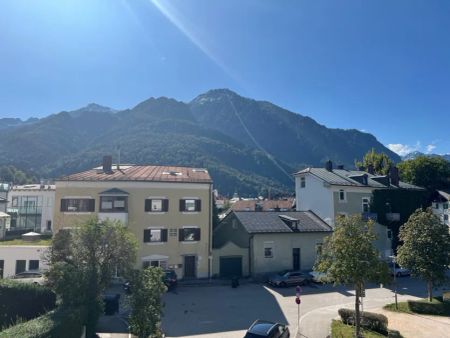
x,y
220,311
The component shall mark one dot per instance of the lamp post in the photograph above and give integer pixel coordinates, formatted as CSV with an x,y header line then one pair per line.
x,y
298,289
395,280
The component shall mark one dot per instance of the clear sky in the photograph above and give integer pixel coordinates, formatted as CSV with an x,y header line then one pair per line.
x,y
381,66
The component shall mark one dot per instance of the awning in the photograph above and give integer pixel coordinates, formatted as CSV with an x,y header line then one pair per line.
x,y
4,215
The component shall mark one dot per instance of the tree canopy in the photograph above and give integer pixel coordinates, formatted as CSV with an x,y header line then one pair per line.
x,y
379,161
13,175
426,247
83,261
349,257
429,172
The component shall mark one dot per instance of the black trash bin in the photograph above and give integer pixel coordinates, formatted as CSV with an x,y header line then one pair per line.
x,y
111,302
234,282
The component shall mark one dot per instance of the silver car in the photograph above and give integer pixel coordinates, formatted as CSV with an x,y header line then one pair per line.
x,y
31,276
398,270
286,278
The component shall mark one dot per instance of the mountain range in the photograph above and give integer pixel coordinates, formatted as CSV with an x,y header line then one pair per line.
x,y
415,154
249,146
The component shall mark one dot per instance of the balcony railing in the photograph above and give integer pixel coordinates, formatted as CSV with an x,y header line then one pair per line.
x,y
393,216
369,216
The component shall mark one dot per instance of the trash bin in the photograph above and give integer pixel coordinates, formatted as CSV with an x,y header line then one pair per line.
x,y
111,302
234,282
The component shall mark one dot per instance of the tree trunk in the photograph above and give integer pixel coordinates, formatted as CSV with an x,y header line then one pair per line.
x,y
357,314
430,290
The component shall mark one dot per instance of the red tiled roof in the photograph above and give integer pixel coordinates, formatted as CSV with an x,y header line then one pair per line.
x,y
143,173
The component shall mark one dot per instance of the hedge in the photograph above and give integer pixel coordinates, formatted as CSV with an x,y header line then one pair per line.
x,y
54,324
436,307
369,321
23,301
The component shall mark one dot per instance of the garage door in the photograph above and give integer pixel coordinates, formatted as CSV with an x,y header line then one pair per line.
x,y
231,266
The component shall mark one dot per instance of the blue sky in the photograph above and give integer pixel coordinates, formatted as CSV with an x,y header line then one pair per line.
x,y
379,66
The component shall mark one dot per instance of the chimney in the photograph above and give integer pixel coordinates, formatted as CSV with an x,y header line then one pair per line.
x,y
107,164
370,169
329,165
393,175
340,166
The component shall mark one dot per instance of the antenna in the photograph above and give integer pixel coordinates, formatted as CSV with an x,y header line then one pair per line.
x,y
118,157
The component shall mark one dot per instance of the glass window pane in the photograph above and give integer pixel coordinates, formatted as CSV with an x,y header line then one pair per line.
x,y
156,205
190,205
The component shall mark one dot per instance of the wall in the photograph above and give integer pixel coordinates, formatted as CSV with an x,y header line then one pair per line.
x,y
10,253
315,197
230,249
138,219
439,211
282,251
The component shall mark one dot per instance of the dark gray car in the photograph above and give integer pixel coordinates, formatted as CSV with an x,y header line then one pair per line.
x,y
264,328
287,277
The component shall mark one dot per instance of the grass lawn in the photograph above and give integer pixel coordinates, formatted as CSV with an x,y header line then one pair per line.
x,y
22,242
437,307
341,330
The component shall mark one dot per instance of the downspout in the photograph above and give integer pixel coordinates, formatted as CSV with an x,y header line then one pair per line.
x,y
250,246
210,232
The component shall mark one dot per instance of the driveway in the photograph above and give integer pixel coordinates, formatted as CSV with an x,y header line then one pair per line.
x,y
220,311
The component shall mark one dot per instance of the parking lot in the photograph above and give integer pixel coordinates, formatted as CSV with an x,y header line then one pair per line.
x,y
221,311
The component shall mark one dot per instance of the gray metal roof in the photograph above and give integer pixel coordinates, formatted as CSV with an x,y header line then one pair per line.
x,y
342,177
444,194
271,221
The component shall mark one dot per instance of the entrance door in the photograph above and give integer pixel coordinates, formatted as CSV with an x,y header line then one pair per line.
x,y
20,266
230,266
189,267
296,259
2,266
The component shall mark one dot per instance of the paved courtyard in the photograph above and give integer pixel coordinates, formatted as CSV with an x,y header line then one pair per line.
x,y
220,311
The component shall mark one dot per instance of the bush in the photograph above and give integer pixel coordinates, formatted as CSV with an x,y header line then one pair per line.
x,y
369,321
436,307
394,334
23,301
55,324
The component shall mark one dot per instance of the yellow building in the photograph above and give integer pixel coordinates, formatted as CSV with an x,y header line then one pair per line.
x,y
169,210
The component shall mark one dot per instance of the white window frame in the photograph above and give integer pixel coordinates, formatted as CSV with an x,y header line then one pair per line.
x,y
302,182
339,196
270,246
364,203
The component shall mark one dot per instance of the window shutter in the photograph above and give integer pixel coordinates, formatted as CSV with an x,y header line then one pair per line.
x,y
182,205
147,235
148,205
163,235
91,205
197,234
180,235
165,205
198,205
64,204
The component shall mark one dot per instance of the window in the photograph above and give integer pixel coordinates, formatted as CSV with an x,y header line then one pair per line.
x,y
445,205
155,263
33,265
113,203
15,202
20,266
445,217
156,205
389,234
436,205
268,252
190,205
302,182
318,249
189,234
342,196
77,205
365,204
49,225
155,235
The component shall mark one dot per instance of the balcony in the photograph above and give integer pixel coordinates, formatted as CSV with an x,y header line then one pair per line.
x,y
369,216
393,216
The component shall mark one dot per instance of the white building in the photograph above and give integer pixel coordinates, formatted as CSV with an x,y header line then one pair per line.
x,y
4,217
19,258
440,206
31,207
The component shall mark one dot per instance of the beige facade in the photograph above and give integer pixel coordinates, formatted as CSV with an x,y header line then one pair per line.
x,y
189,256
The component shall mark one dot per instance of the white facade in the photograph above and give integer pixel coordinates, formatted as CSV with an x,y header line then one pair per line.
x,y
18,258
441,209
32,206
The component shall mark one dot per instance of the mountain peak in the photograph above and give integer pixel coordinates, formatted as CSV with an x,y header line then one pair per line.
x,y
215,95
91,108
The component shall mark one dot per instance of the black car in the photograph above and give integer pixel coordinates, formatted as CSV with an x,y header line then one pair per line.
x,y
264,328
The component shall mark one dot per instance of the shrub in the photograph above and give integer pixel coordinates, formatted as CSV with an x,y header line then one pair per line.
x,y
54,324
23,301
436,307
394,334
369,321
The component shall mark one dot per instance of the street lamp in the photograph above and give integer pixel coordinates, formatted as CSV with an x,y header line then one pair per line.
x,y
395,280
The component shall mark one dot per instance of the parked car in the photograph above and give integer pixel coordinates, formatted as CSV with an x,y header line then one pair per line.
x,y
264,328
31,276
399,271
170,279
287,277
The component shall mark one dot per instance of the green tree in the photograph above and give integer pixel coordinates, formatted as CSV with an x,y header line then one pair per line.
x,y
428,172
426,247
146,303
15,176
83,261
379,161
348,256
